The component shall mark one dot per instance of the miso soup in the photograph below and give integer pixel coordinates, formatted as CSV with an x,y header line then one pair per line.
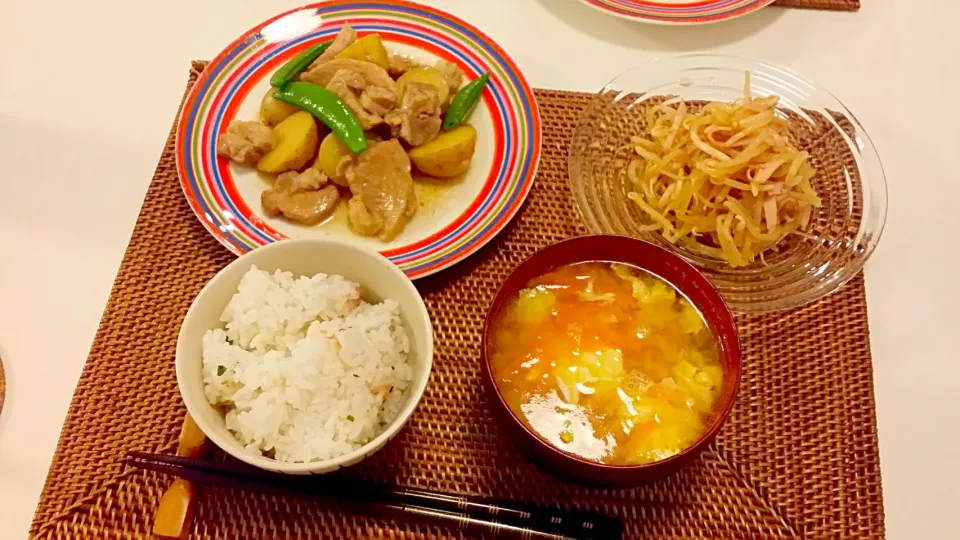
x,y
607,362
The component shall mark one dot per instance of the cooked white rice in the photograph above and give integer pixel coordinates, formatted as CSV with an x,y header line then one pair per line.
x,y
305,370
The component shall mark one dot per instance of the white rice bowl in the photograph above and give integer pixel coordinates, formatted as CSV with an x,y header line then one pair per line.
x,y
303,368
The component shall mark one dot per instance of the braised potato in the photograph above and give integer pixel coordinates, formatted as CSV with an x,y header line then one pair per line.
x,y
296,140
448,155
369,48
426,75
331,152
273,111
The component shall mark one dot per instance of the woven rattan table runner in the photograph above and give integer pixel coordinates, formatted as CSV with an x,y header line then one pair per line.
x,y
798,457
840,5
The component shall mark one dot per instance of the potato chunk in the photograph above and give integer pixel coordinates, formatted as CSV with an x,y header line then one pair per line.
x,y
369,48
448,155
273,111
296,140
427,75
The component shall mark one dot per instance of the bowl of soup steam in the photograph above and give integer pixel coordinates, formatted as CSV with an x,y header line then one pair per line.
x,y
609,360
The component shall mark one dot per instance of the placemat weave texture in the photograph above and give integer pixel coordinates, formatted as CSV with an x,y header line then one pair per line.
x,y
798,457
840,5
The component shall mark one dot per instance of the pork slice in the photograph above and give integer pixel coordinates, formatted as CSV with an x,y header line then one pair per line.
x,y
378,100
344,85
345,37
361,220
305,198
373,75
245,142
453,74
417,120
401,63
383,194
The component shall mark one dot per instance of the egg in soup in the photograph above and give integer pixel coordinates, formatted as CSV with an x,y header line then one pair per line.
x,y
607,362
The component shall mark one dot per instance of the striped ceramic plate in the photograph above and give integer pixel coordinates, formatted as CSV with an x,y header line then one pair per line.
x,y
679,11
454,220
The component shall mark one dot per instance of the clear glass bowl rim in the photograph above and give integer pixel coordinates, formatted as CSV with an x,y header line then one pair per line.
x,y
864,147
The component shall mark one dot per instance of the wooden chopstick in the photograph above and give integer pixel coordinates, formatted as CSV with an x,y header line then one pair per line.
x,y
174,514
465,513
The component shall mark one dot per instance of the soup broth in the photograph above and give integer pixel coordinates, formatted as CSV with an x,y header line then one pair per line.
x,y
607,362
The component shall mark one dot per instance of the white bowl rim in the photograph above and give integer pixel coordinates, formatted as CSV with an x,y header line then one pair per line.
x,y
328,465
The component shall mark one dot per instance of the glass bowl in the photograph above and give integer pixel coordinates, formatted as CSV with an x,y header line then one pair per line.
x,y
803,266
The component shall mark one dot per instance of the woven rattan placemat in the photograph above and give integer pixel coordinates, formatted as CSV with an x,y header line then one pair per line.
x,y
798,457
840,5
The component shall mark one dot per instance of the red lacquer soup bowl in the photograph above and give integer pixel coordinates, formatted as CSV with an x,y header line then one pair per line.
x,y
661,263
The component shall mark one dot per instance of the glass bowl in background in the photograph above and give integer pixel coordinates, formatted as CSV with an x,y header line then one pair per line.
x,y
803,266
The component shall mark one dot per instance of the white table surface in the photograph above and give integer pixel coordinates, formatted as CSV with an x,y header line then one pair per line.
x,y
88,91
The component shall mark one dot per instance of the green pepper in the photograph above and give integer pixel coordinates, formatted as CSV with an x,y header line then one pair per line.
x,y
291,69
464,102
326,106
